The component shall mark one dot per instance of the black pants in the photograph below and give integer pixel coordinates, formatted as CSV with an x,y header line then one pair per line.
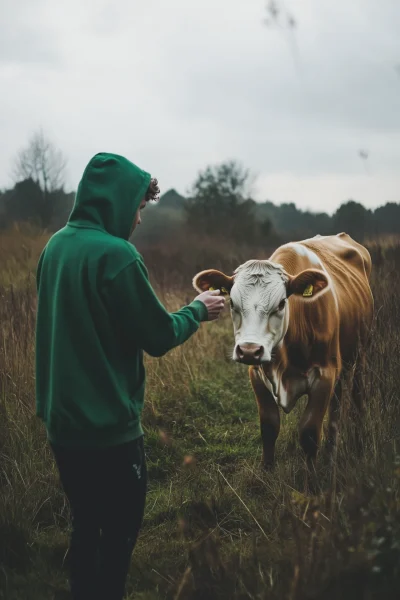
x,y
106,490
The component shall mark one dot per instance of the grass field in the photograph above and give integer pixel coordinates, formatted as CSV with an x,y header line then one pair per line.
x,y
216,525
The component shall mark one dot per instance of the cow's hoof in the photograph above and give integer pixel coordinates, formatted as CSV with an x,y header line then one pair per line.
x,y
268,465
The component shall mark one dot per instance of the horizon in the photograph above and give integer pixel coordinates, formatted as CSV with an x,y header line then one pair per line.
x,y
300,208
330,213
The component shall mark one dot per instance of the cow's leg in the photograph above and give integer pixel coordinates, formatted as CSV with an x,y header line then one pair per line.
x,y
319,395
269,417
334,414
358,391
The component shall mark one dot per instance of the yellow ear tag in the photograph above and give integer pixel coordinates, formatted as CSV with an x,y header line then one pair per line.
x,y
223,290
308,291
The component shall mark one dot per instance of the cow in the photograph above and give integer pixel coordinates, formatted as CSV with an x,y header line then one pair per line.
x,y
300,319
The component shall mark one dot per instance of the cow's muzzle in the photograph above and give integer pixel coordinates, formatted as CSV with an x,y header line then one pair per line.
x,y
249,354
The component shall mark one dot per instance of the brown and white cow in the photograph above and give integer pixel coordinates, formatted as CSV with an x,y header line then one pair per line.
x,y
299,320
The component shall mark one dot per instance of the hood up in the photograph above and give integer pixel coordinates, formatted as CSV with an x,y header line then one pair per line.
x,y
109,194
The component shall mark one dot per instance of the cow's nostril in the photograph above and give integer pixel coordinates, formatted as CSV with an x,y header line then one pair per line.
x,y
249,353
239,353
259,352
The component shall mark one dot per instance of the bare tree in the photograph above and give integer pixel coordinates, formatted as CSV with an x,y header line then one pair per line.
x,y
42,162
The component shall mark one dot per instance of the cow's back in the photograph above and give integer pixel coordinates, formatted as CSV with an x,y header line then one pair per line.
x,y
345,250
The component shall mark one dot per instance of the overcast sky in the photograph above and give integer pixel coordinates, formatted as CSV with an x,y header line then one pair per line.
x,y
178,84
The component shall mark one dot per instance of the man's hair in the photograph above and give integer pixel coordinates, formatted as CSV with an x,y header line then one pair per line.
x,y
153,191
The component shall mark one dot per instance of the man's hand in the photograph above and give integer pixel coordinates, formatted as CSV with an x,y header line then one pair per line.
x,y
214,303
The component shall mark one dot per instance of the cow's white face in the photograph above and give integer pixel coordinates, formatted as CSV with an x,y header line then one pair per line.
x,y
260,311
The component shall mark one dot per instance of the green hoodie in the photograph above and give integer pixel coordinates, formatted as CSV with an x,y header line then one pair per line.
x,y
97,313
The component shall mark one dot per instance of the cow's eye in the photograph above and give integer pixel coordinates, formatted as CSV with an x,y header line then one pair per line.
x,y
281,304
231,303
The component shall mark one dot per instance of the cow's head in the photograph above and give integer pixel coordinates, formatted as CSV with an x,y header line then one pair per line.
x,y
258,291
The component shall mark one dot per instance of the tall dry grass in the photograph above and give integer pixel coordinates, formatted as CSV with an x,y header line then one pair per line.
x,y
216,525
20,248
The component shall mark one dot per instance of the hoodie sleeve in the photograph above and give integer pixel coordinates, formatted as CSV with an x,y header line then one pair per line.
x,y
140,317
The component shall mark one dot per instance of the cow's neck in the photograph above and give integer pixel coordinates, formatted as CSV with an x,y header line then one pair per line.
x,y
294,351
290,260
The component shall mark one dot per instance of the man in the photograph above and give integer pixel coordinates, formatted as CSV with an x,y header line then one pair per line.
x,y
97,313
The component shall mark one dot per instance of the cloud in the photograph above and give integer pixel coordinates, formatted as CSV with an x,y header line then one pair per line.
x,y
178,85
25,36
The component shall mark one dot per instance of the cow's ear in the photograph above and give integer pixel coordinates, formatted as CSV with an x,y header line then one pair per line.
x,y
213,279
308,284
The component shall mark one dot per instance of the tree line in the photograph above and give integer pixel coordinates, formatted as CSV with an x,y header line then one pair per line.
x,y
218,205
